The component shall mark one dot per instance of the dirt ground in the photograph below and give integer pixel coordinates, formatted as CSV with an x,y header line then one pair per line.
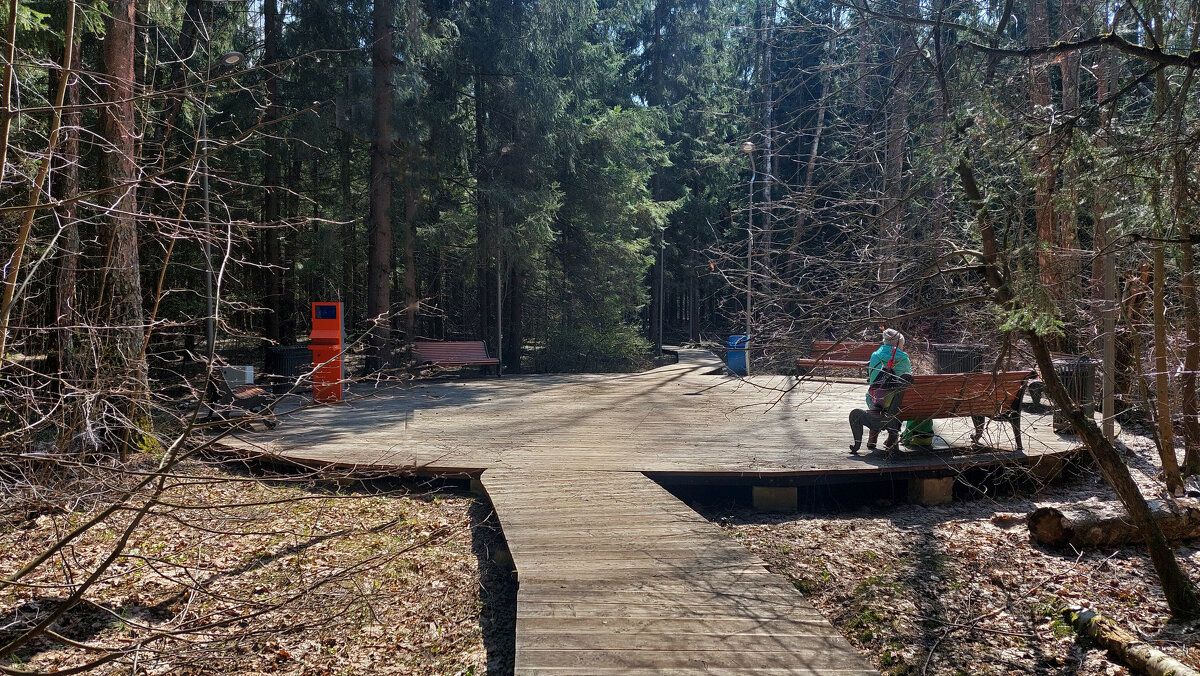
x,y
245,574
252,574
950,590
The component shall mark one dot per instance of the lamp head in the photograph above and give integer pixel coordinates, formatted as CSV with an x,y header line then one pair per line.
x,y
231,59
747,147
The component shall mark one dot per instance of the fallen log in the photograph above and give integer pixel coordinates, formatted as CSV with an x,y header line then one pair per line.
x,y
1101,524
1124,646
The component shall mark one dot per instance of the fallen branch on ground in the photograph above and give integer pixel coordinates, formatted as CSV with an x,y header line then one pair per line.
x,y
1107,524
1124,646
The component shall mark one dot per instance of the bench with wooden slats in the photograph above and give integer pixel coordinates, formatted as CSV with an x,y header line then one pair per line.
x,y
838,355
975,395
455,353
224,400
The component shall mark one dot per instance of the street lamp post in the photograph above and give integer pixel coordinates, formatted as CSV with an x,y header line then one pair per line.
x,y
229,60
659,329
748,148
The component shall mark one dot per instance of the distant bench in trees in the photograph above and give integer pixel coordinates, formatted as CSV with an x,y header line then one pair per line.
x,y
959,395
455,353
224,400
838,355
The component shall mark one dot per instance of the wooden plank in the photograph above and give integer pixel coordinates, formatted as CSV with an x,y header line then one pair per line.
x,y
632,602
681,661
595,670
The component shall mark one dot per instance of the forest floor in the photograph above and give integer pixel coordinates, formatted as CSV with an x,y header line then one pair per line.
x,y
960,590
248,574
251,573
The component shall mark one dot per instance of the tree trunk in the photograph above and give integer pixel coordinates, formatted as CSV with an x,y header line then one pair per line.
x,y
273,246
1191,324
379,257
769,10
290,245
513,324
1045,176
349,236
809,196
1107,524
12,266
126,368
1191,356
1067,218
1162,380
893,177
412,203
183,49
1131,650
1178,589
10,58
1104,272
656,98
485,289
65,186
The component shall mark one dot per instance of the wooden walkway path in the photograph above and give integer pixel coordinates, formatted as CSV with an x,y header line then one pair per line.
x,y
617,576
681,420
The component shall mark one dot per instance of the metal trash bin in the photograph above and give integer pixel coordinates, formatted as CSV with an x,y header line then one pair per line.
x,y
737,354
953,358
284,363
1078,375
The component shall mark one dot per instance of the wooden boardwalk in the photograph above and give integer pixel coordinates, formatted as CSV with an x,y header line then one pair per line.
x,y
619,577
616,575
678,420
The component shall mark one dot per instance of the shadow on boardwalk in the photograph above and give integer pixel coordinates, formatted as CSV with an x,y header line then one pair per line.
x,y
497,589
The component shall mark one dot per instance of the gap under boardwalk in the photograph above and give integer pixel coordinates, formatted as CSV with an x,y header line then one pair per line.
x,y
617,576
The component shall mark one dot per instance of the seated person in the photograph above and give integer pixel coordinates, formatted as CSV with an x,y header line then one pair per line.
x,y
880,417
890,355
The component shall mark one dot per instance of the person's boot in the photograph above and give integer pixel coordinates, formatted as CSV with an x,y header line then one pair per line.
x,y
854,446
872,439
891,444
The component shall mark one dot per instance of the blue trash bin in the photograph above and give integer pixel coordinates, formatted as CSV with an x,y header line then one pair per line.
x,y
736,356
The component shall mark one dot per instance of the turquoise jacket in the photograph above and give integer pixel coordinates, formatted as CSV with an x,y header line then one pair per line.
x,y
880,359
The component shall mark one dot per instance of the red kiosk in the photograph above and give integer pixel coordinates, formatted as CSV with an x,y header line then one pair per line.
x,y
326,346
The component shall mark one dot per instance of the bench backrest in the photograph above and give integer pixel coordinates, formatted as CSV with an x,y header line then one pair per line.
x,y
451,351
962,394
829,350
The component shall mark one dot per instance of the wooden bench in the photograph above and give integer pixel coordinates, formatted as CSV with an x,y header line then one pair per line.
x,y
455,353
224,400
975,395
838,355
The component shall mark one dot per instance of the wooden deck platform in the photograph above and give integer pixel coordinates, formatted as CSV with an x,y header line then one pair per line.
x,y
678,421
616,576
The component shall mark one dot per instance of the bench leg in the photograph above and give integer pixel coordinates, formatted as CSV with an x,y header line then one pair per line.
x,y
978,420
1015,419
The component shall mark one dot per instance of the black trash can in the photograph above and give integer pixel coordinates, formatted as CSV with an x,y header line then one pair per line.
x,y
1078,375
284,363
953,358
